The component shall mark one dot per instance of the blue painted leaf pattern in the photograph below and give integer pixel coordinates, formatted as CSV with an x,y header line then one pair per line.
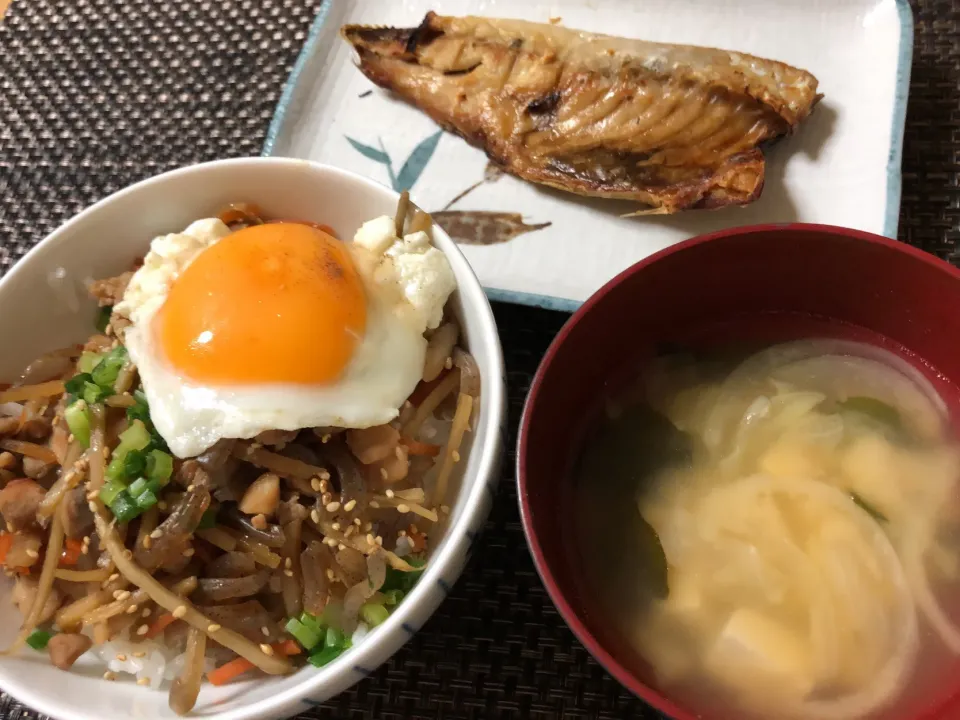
x,y
371,152
413,167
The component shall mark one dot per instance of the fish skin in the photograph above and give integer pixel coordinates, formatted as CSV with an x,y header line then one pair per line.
x,y
671,127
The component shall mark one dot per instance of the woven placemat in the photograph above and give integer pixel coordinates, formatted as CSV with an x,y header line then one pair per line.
x,y
97,94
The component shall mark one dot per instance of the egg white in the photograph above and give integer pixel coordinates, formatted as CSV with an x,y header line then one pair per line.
x,y
384,370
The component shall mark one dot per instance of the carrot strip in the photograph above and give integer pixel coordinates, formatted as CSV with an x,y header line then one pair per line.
x,y
72,550
235,668
415,447
6,541
159,625
32,392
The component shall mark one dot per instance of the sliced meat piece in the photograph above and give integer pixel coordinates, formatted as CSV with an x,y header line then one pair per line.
x,y
167,550
65,648
110,290
19,502
77,519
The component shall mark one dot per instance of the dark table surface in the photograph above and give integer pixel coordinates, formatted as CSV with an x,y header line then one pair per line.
x,y
98,94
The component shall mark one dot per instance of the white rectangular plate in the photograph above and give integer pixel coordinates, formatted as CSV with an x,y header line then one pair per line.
x,y
841,168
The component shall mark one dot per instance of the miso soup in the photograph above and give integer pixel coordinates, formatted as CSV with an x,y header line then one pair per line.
x,y
777,536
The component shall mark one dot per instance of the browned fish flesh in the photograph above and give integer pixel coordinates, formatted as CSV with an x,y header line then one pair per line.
x,y
669,126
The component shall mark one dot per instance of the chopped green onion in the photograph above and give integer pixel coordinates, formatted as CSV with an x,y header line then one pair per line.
x,y
393,597
88,361
334,638
79,422
140,410
400,580
135,437
138,487
208,519
159,466
76,384
38,639
373,613
325,656
103,317
304,635
110,490
135,463
124,508
93,393
106,372
313,623
146,500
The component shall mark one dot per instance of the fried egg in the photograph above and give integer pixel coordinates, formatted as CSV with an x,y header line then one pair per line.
x,y
280,326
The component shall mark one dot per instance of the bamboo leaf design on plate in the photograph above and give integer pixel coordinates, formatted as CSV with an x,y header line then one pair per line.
x,y
369,152
413,167
477,227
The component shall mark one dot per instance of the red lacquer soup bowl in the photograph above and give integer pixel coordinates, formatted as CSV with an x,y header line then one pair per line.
x,y
756,285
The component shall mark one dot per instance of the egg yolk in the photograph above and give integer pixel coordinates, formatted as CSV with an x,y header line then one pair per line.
x,y
274,303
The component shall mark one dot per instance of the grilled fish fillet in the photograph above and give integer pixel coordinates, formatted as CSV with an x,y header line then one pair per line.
x,y
669,126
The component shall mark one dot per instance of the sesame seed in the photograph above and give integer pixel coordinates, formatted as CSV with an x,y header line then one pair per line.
x,y
331,576
455,455
324,485
325,439
341,546
351,504
336,526
115,576
259,521
401,533
357,521
389,493
132,609
315,516
139,654
368,527
85,549
109,676
179,611
370,539
448,363
92,505
121,657
332,507
191,487
32,553
265,630
398,452
143,681
350,531
330,541
445,509
267,650
189,552
324,476
86,539
142,630
315,484
157,534
146,612
123,595
325,498
147,542
91,496
380,540
289,563
10,527
401,508
212,628
70,438
374,504
288,573
383,473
